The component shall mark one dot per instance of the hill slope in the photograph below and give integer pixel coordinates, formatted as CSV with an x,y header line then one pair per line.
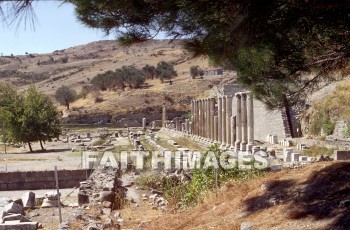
x,y
76,66
314,197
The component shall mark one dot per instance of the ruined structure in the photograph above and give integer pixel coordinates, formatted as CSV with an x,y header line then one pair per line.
x,y
233,119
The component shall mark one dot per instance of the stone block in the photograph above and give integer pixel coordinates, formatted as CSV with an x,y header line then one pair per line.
x,y
14,225
15,217
106,196
246,226
52,195
82,198
340,155
303,158
28,200
295,156
14,208
2,215
49,203
287,154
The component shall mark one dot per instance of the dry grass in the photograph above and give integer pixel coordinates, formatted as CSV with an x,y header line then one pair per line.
x,y
110,56
191,145
298,190
336,104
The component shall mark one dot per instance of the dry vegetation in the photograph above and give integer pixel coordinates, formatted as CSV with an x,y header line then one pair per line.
x,y
301,204
76,66
332,107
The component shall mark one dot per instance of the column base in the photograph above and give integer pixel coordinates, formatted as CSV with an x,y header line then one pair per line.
x,y
250,146
243,146
222,146
237,146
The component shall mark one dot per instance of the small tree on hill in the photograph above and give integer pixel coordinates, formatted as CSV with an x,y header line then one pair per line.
x,y
149,71
194,71
65,95
133,76
165,70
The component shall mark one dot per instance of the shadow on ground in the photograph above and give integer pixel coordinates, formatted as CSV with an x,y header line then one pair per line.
x,y
325,195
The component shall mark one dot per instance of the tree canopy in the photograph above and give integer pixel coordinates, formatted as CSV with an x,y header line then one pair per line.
x,y
165,70
121,77
28,117
65,95
280,48
274,45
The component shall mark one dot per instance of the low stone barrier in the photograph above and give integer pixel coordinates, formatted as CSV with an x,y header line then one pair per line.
x,y
340,155
34,180
98,196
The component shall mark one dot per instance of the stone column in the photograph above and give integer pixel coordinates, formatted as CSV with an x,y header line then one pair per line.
x,y
163,116
250,120
238,123
187,126
202,118
244,122
192,115
212,113
215,128
197,118
205,119
144,123
177,124
228,120
233,131
219,119
223,122
208,118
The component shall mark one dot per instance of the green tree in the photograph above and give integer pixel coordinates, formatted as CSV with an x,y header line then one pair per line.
x,y
149,71
40,118
273,44
28,117
133,76
65,95
194,71
165,70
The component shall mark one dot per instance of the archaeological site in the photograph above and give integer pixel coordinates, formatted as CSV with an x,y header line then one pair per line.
x,y
175,115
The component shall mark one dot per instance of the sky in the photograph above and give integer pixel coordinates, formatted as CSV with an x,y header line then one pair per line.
x,y
56,27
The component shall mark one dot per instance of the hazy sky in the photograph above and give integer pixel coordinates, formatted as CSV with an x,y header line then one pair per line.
x,y
56,28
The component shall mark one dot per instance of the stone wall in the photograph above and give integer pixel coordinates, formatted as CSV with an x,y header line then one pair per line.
x,y
341,155
100,194
33,180
120,120
340,129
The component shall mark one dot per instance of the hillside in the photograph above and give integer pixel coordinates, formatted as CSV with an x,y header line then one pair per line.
x,y
314,197
76,66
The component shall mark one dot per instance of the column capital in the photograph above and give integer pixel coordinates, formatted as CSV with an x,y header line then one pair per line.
x,y
238,95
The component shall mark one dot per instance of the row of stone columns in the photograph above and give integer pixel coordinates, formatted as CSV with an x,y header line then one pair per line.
x,y
213,120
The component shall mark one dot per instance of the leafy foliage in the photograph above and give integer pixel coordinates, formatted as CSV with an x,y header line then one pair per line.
x,y
65,95
195,71
120,78
274,45
165,70
202,181
28,117
149,71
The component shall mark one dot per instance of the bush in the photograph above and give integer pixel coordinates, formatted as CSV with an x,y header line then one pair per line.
x,y
315,151
202,181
